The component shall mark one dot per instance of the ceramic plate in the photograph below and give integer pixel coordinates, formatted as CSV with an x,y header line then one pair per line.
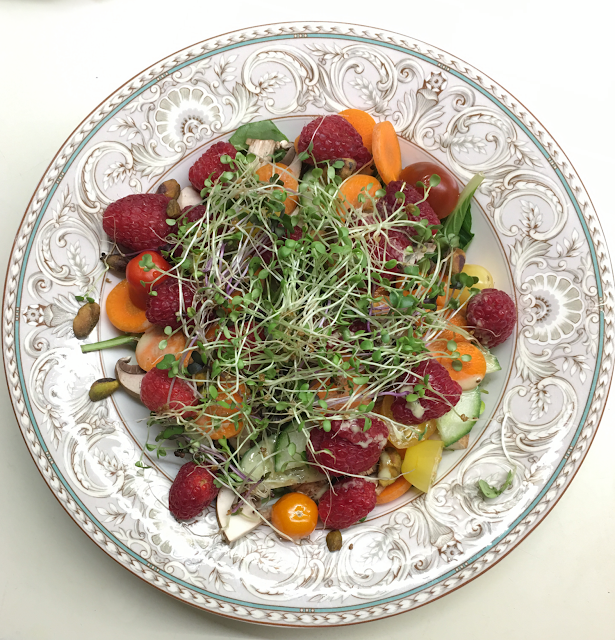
x,y
537,232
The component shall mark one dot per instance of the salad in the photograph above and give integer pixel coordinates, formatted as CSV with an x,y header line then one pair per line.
x,y
308,337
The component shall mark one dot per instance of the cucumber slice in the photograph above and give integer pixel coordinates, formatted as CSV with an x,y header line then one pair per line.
x,y
299,475
492,362
290,448
305,199
450,426
256,462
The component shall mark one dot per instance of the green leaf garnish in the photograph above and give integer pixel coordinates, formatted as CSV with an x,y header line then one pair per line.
x,y
492,492
262,130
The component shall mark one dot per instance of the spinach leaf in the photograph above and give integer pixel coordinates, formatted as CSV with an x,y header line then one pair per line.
x,y
262,130
459,223
465,233
491,492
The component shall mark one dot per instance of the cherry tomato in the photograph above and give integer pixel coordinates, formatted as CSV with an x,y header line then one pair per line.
x,y
295,514
143,270
442,197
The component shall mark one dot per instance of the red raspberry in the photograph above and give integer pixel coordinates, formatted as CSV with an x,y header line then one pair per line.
x,y
193,213
192,490
155,389
138,222
443,395
354,450
333,138
390,244
163,308
492,314
347,502
209,165
388,203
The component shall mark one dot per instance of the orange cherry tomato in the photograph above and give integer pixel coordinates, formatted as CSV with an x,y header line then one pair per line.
x,y
295,514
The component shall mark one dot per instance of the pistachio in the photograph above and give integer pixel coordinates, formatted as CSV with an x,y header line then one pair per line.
x,y
170,188
103,388
389,467
350,166
334,540
116,262
86,319
173,209
458,261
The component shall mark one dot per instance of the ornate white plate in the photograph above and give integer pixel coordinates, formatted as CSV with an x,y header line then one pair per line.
x,y
536,231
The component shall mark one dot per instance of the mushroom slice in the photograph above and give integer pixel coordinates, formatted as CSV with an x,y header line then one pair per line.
x,y
189,197
235,527
130,377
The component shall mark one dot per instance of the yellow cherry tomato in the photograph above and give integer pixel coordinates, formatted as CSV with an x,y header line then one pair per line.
x,y
421,462
485,279
295,514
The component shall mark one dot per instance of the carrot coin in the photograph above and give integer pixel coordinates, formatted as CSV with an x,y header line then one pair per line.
x,y
352,188
266,172
363,123
387,152
218,419
464,361
123,314
394,491
337,394
149,353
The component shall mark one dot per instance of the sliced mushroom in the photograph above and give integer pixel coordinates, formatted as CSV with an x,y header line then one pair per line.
x,y
263,149
189,197
234,526
295,167
291,154
130,377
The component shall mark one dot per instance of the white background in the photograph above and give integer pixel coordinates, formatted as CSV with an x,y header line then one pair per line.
x,y
60,58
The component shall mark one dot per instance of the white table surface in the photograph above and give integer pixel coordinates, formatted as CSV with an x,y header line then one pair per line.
x,y
60,58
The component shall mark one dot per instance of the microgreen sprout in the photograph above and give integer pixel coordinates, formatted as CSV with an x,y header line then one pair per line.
x,y
305,318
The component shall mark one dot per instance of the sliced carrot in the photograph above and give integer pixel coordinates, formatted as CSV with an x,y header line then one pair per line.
x,y
387,152
297,143
336,393
457,320
352,188
265,173
394,491
149,353
122,312
216,422
467,374
363,123
216,428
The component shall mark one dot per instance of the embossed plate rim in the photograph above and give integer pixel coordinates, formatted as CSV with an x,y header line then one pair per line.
x,y
373,39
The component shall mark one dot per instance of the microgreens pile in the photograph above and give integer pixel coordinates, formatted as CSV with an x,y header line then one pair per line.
x,y
299,319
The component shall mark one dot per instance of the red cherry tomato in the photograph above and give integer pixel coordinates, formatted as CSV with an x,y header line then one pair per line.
x,y
444,196
142,271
